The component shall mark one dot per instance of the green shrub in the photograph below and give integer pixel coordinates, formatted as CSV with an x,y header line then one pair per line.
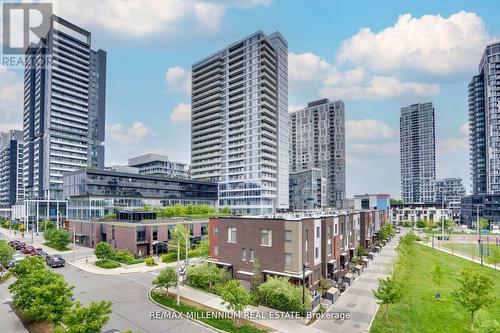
x,y
407,224
123,256
206,276
104,250
150,261
169,257
105,263
280,294
57,238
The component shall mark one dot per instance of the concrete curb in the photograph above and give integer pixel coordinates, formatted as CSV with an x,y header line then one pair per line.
x,y
183,315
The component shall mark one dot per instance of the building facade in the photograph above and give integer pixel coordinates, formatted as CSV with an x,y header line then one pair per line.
x,y
372,201
449,190
239,127
484,111
308,190
413,212
476,206
160,165
95,193
318,141
64,90
285,243
418,153
11,168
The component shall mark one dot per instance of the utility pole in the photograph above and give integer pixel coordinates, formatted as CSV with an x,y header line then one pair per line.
x,y
74,242
178,272
442,221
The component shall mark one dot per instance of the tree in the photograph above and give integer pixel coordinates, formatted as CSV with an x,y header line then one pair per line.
x,y
388,292
27,266
104,250
474,292
421,224
235,297
280,294
6,253
323,286
89,319
226,210
430,224
203,248
42,296
484,223
166,279
60,239
179,235
437,277
256,281
206,276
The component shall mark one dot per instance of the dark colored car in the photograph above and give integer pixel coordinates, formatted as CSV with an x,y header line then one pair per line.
x,y
13,243
27,249
55,261
38,252
19,245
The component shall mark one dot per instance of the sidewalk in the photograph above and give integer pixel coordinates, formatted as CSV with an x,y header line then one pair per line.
x,y
358,300
10,321
213,301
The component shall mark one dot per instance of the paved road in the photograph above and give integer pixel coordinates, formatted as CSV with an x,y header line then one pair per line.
x,y
131,308
358,300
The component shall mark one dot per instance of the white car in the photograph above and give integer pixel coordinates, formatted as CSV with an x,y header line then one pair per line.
x,y
16,260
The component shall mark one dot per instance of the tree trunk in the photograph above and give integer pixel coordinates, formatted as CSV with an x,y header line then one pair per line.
x,y
387,312
472,320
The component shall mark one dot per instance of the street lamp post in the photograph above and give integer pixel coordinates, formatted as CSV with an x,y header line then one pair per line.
x,y
304,267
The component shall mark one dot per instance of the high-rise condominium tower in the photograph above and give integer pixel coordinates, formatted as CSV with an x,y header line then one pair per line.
x,y
318,141
239,127
64,107
11,168
484,123
417,153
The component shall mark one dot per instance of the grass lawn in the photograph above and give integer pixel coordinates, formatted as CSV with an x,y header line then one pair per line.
x,y
105,263
55,247
471,249
224,324
418,311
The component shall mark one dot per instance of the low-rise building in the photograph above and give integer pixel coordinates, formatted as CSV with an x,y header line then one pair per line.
x,y
477,206
372,201
308,190
141,233
290,246
96,193
449,190
413,212
160,165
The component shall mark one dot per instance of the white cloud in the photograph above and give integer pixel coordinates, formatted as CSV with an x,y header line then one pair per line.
x,y
307,67
455,144
464,129
132,19
379,87
181,113
129,136
178,79
296,107
11,94
368,129
431,44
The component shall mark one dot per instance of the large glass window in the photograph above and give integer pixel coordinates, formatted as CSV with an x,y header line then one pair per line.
x,y
266,236
231,234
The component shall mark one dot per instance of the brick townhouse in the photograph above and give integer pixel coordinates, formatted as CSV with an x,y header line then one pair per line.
x,y
285,243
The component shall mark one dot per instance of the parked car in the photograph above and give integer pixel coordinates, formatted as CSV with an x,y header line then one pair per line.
x,y
19,245
38,252
55,261
15,260
27,249
13,243
398,230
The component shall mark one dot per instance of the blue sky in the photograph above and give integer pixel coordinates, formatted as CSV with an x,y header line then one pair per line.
x,y
375,55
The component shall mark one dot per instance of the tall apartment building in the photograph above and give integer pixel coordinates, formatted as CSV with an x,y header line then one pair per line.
x,y
484,123
308,190
449,190
239,127
11,168
160,165
64,107
417,153
318,141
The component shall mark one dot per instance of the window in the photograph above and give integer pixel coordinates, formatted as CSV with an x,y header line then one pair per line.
x,y
288,236
336,229
216,250
252,254
288,259
329,231
155,233
266,236
316,252
216,231
329,250
317,232
244,254
231,234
